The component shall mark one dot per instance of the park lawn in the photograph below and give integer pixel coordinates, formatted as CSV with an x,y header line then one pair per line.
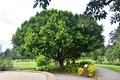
x,y
31,65
111,67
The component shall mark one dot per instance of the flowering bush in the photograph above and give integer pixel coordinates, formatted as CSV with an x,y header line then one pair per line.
x,y
80,71
91,70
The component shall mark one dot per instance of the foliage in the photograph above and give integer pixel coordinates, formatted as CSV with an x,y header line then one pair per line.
x,y
43,3
110,55
98,54
114,36
82,63
95,8
10,53
71,68
114,42
117,50
41,61
6,60
58,35
50,68
95,55
6,65
80,71
101,59
91,70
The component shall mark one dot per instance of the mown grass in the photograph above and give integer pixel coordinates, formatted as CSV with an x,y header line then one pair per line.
x,y
111,67
31,65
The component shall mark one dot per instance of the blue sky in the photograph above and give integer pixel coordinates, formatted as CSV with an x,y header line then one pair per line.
x,y
15,12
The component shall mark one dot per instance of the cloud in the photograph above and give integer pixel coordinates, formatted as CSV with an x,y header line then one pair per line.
x,y
12,14
71,5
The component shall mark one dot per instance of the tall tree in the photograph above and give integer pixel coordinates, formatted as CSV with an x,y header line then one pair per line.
x,y
110,54
58,35
95,8
114,35
117,50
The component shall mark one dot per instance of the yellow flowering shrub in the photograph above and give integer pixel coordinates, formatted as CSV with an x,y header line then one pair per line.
x,y
80,71
91,70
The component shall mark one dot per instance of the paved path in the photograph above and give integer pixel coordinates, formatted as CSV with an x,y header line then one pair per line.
x,y
106,74
22,76
71,77
13,75
103,74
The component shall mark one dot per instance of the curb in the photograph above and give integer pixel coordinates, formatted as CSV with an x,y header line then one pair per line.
x,y
98,78
49,76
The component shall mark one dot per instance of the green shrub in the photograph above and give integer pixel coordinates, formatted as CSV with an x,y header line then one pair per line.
x,y
117,64
41,61
46,68
83,63
80,71
6,65
27,60
71,68
1,65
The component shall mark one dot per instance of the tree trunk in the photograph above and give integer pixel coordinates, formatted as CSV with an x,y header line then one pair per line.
x,y
73,61
61,61
68,62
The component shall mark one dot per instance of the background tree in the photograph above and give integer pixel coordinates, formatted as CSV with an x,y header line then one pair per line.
x,y
58,35
7,54
110,55
95,8
117,50
114,36
114,41
95,55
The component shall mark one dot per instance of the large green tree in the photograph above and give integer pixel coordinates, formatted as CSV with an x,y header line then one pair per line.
x,y
58,35
95,8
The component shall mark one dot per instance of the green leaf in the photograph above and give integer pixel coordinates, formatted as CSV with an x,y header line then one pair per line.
x,y
35,5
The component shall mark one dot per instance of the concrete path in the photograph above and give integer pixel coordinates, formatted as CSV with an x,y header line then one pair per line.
x,y
106,74
10,75
13,75
71,77
103,74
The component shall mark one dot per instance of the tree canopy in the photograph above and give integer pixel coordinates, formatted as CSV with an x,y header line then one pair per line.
x,y
114,42
114,35
95,8
58,35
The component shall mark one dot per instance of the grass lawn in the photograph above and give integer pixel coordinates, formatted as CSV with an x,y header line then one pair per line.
x,y
31,65
112,67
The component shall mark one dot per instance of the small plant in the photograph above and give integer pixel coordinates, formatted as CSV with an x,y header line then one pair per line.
x,y
71,68
80,71
91,70
41,61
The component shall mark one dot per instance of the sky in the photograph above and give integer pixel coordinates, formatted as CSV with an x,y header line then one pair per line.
x,y
14,12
